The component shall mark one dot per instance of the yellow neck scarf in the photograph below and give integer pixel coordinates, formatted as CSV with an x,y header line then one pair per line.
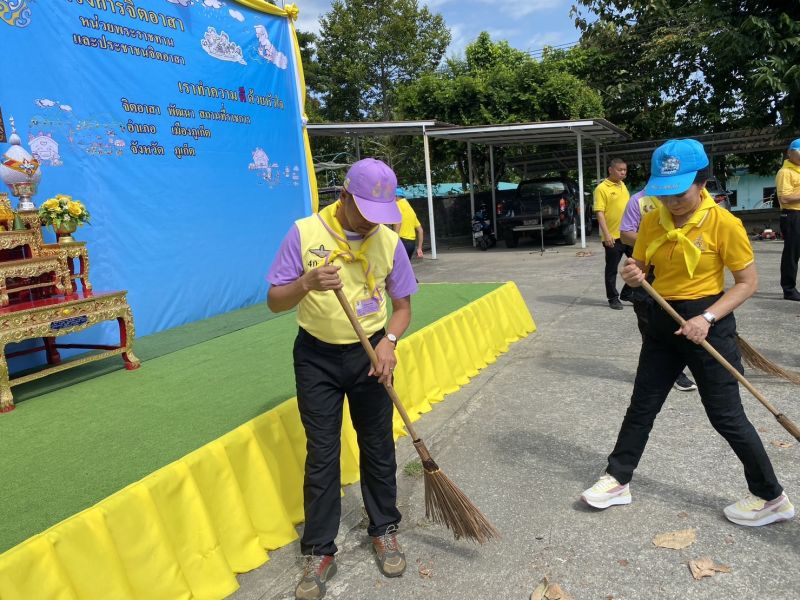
x,y
787,164
344,251
691,253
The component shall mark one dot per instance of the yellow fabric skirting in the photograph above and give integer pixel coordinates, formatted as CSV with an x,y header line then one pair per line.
x,y
185,530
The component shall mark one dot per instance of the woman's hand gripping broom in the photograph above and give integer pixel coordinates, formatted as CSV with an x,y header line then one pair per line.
x,y
445,503
787,424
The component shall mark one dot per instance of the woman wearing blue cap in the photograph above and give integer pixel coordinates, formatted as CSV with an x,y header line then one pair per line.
x,y
690,241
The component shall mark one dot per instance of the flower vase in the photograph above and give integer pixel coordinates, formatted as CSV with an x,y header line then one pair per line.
x,y
64,232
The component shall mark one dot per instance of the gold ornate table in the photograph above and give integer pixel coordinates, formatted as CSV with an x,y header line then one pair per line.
x,y
69,252
33,268
53,317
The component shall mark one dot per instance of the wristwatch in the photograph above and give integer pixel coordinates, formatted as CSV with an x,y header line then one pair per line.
x,y
710,317
392,338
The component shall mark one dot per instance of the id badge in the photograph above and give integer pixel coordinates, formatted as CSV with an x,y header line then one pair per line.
x,y
366,307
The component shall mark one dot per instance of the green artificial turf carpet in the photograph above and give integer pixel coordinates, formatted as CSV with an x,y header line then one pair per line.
x,y
79,436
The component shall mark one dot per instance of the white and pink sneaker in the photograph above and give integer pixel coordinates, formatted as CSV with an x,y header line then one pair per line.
x,y
753,511
607,492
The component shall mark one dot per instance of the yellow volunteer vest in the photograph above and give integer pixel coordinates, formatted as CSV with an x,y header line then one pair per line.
x,y
410,222
648,204
787,183
319,313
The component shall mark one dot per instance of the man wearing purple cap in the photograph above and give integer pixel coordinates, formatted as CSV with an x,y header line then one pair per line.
x,y
346,246
787,185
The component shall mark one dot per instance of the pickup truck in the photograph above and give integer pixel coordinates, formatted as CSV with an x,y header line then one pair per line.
x,y
546,206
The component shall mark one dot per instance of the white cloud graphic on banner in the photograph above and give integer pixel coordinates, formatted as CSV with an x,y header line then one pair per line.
x,y
220,46
44,103
236,15
268,51
181,2
212,3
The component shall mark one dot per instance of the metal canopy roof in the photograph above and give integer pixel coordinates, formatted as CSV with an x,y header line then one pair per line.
x,y
741,141
545,132
371,128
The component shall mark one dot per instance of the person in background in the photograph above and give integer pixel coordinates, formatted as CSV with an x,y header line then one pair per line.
x,y
343,247
690,241
787,184
640,204
610,199
409,229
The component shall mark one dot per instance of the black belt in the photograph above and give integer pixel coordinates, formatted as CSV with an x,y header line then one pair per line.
x,y
310,340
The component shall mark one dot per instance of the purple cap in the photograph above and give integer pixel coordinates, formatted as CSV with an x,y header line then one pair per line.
x,y
372,183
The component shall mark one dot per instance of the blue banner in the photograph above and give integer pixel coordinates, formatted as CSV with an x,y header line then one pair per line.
x,y
178,123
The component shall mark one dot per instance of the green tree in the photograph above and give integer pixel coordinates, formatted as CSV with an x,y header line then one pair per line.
x,y
307,42
367,48
495,83
688,66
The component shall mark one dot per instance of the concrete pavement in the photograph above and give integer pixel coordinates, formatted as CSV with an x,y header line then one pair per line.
x,y
531,431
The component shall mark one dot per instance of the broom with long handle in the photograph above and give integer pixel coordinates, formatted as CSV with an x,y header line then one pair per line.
x,y
445,503
787,424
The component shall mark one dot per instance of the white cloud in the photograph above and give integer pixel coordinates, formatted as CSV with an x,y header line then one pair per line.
x,y
236,15
66,107
549,38
181,2
212,3
44,103
523,9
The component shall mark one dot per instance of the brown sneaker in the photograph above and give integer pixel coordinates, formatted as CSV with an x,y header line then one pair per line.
x,y
317,570
388,554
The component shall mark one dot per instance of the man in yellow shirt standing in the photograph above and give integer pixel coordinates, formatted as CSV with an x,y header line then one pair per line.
x,y
409,229
610,199
787,184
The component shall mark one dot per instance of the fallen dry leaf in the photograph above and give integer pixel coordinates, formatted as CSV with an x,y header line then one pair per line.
x,y
425,572
782,444
763,429
675,539
623,562
683,514
539,590
729,539
554,592
549,591
705,567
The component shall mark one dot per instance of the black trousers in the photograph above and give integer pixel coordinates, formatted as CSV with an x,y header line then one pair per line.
x,y
663,356
410,246
324,374
790,229
613,256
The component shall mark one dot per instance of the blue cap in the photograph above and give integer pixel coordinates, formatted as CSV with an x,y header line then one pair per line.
x,y
795,145
674,166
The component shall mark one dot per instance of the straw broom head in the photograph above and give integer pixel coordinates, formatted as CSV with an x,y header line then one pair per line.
x,y
447,505
756,360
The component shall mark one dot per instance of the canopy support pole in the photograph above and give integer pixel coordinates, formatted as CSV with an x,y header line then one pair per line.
x,y
430,191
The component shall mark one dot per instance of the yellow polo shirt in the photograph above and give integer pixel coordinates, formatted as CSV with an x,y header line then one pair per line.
x,y
410,221
787,183
611,198
723,242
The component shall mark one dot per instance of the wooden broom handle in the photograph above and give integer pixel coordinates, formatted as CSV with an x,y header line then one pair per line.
x,y
788,425
373,359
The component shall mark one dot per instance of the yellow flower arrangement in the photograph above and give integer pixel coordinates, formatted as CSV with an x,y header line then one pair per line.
x,y
62,212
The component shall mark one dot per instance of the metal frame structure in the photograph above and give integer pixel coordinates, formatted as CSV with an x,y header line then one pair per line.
x,y
598,131
373,129
740,141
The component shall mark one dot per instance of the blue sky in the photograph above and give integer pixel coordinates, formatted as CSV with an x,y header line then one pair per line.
x,y
527,25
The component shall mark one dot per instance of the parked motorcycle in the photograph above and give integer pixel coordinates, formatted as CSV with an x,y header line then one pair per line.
x,y
482,231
